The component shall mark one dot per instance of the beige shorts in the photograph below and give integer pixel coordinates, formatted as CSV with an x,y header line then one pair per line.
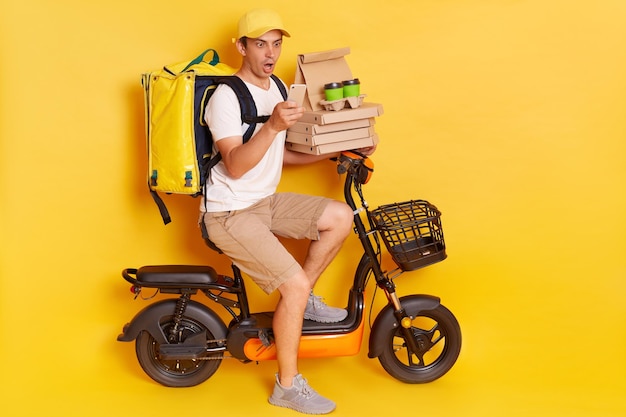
x,y
248,236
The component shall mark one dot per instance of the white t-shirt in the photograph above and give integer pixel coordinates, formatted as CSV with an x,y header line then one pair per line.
x,y
223,116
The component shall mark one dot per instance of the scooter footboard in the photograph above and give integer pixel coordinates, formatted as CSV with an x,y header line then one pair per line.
x,y
386,319
149,319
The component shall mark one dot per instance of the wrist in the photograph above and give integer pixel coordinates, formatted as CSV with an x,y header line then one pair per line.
x,y
270,129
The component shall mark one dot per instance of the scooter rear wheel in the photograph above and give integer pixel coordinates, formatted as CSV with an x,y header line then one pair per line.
x,y
438,335
175,372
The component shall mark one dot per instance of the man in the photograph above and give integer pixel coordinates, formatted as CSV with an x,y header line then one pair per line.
x,y
243,214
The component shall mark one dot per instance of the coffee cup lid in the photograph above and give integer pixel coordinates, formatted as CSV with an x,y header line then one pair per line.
x,y
330,86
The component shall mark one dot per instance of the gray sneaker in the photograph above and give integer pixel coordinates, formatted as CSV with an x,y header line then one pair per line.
x,y
300,397
317,310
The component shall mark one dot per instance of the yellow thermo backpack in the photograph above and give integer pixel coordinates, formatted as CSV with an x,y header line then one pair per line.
x,y
179,141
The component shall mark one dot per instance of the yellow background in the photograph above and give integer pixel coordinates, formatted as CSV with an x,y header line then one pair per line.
x,y
509,115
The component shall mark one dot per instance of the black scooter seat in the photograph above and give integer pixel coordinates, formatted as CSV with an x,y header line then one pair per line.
x,y
177,274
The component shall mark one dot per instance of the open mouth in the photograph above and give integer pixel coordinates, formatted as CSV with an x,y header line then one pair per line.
x,y
268,67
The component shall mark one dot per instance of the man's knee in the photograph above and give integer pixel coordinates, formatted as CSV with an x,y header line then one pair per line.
x,y
337,216
298,286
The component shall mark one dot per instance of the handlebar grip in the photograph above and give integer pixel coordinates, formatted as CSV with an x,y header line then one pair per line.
x,y
342,167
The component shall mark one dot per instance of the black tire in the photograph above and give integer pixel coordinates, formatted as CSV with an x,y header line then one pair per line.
x,y
175,373
438,335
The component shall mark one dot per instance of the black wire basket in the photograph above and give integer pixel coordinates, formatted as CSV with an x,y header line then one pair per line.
x,y
412,233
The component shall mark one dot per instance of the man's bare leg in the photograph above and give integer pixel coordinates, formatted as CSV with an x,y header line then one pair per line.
x,y
334,226
287,325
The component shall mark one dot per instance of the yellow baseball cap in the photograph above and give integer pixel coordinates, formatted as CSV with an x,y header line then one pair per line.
x,y
259,21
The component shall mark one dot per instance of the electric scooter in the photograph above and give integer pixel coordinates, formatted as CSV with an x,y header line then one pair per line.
x,y
180,342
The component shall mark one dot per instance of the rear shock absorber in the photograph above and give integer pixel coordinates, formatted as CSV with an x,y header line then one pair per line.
x,y
181,306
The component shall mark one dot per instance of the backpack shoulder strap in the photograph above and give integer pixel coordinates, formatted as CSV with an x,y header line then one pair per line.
x,y
252,118
280,85
246,103
248,114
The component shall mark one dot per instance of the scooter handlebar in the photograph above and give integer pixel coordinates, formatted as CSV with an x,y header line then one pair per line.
x,y
356,164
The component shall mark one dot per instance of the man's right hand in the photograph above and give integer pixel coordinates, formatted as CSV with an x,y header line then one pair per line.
x,y
285,115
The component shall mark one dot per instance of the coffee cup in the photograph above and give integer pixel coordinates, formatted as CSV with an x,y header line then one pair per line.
x,y
333,91
351,88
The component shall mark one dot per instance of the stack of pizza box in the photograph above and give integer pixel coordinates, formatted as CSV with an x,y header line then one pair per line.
x,y
322,131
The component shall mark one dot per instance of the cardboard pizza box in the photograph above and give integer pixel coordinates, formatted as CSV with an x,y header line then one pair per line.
x,y
312,140
323,117
333,147
315,129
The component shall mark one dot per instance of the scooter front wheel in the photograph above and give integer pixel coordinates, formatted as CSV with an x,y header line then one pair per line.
x,y
175,372
438,336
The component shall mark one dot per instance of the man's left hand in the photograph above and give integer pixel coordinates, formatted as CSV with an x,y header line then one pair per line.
x,y
367,151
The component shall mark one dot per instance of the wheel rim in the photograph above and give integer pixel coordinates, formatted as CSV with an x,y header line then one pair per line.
x,y
176,367
430,338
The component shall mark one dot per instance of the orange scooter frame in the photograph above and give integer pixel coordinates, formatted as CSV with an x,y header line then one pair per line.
x,y
317,346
